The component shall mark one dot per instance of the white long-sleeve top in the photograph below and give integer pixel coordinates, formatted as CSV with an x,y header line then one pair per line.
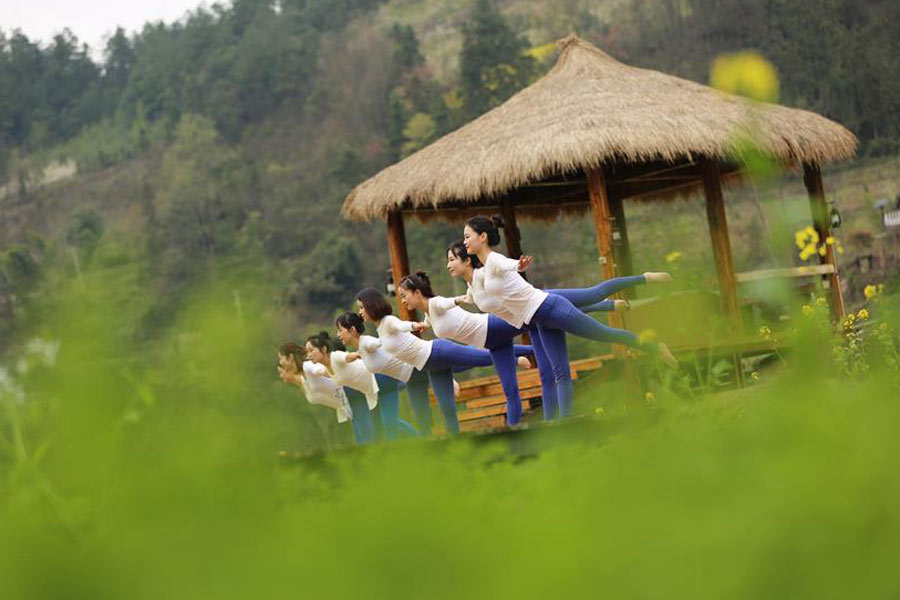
x,y
353,375
397,338
451,322
325,391
379,360
499,288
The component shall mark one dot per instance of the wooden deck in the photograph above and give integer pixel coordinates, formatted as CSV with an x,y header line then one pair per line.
x,y
481,403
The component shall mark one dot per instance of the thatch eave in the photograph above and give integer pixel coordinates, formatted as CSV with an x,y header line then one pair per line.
x,y
590,110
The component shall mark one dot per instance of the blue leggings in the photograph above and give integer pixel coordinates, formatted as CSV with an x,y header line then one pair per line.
x,y
417,389
444,357
363,428
554,318
389,405
441,381
589,299
500,333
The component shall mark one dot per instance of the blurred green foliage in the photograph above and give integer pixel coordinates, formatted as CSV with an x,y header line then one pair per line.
x,y
152,470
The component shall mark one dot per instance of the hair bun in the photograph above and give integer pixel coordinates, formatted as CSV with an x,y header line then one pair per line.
x,y
497,220
324,335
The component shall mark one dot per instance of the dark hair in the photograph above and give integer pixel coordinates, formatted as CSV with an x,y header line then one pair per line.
x,y
375,304
458,249
294,351
418,283
350,320
323,342
491,226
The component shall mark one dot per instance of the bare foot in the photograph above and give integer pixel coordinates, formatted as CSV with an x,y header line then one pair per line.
x,y
523,362
622,305
666,356
657,277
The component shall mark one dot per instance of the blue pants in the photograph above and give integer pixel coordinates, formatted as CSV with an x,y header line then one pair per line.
x,y
503,355
500,332
441,381
389,405
589,299
445,357
417,389
363,428
556,317
594,298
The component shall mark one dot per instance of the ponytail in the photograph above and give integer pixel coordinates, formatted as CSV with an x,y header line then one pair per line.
x,y
490,226
418,283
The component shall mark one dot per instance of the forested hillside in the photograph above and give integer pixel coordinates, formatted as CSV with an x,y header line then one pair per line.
x,y
231,137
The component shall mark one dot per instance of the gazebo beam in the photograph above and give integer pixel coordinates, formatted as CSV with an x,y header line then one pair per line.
x,y
812,178
721,246
396,237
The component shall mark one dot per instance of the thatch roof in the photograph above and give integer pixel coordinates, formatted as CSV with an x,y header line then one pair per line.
x,y
590,109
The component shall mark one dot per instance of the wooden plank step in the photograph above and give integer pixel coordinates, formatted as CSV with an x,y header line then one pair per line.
x,y
483,387
494,422
490,411
501,399
523,375
494,389
485,423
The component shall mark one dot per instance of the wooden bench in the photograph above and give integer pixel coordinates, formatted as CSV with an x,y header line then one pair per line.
x,y
485,403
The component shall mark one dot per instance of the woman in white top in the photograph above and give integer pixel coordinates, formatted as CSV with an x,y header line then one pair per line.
x,y
499,288
451,322
294,370
590,299
436,358
359,384
390,373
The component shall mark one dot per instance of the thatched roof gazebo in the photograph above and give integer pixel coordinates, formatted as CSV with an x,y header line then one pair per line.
x,y
594,132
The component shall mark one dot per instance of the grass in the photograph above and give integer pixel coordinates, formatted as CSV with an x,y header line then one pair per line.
x,y
156,474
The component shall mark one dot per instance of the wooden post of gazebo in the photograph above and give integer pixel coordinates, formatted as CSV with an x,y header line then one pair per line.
x,y
621,249
396,237
812,178
721,246
601,210
513,244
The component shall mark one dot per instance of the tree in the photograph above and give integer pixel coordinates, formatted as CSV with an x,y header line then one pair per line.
x,y
493,63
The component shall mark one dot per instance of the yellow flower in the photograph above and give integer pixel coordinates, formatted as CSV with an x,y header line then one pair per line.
x,y
673,256
863,314
808,251
840,249
765,332
808,310
754,376
649,398
747,74
820,301
830,240
870,291
647,335
823,250
598,410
